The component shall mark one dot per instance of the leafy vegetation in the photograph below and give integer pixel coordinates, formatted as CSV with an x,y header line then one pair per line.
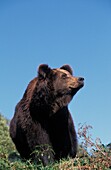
x,y
92,155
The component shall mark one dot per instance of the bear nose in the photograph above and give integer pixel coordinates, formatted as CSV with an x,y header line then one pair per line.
x,y
81,79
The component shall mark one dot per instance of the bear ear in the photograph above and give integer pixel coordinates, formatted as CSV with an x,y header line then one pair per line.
x,y
43,70
67,68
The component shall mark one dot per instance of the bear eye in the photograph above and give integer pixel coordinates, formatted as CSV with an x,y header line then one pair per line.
x,y
64,76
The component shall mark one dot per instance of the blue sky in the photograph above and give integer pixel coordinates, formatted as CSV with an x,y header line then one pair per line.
x,y
74,32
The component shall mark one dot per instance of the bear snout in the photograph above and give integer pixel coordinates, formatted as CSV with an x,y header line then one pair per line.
x,y
81,80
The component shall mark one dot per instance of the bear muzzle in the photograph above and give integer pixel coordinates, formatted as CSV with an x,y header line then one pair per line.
x,y
81,81
76,84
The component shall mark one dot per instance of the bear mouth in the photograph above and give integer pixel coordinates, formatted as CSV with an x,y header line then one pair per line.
x,y
78,85
81,84
74,89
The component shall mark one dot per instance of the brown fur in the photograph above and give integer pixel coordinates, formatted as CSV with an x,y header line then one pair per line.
x,y
42,117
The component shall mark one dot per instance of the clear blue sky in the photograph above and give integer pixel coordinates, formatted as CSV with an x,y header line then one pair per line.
x,y
75,32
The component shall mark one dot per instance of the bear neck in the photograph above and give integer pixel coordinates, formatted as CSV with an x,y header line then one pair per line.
x,y
60,103
45,102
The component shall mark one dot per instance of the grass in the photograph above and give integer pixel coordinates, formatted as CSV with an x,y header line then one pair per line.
x,y
92,155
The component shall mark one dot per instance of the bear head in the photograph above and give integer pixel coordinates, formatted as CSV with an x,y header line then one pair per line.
x,y
55,88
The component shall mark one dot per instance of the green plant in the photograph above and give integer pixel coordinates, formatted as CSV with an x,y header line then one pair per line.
x,y
92,155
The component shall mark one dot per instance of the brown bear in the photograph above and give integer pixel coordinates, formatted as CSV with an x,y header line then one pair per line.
x,y
42,127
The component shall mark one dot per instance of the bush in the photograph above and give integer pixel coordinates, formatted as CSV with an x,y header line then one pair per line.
x,y
6,145
91,154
